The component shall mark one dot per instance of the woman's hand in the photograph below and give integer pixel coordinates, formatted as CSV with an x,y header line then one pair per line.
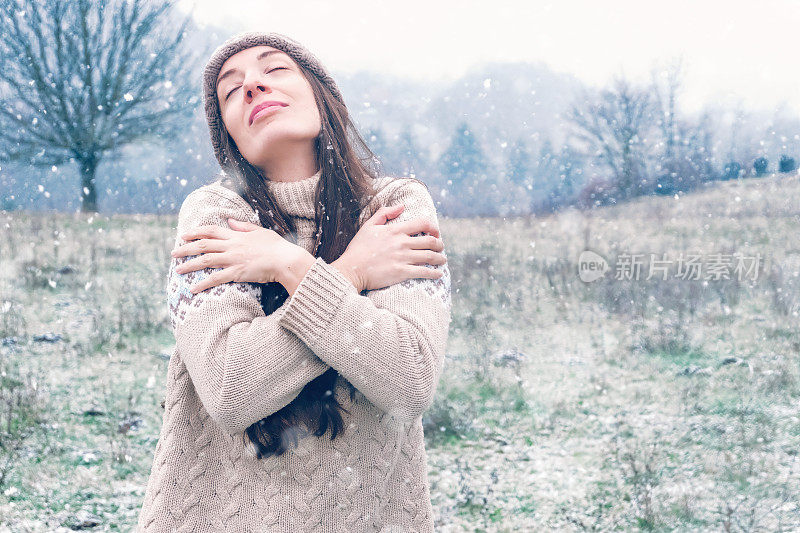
x,y
381,255
246,252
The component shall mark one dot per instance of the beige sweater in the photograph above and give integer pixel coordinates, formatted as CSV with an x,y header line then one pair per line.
x,y
233,365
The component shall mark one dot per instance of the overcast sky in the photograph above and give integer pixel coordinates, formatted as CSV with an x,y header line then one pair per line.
x,y
734,51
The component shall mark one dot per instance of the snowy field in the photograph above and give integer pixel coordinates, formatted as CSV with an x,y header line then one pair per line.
x,y
618,404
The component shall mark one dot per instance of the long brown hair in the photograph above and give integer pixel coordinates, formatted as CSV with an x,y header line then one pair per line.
x,y
346,186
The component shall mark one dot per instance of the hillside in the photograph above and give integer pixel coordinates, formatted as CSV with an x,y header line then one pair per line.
x,y
564,405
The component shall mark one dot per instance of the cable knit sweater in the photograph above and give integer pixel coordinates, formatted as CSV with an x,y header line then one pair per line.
x,y
233,365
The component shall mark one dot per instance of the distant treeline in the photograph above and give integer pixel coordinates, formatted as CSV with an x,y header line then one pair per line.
x,y
121,128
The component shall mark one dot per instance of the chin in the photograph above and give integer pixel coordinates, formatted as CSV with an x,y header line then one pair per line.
x,y
282,135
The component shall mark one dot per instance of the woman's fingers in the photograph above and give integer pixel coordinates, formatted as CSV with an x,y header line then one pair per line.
x,y
420,257
202,246
416,271
215,278
210,260
418,225
208,231
384,214
426,242
240,225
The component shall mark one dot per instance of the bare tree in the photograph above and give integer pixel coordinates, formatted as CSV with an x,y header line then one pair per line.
x,y
683,161
666,85
614,128
81,78
707,141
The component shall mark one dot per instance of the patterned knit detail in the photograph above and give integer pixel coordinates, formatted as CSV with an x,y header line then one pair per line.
x,y
194,478
438,288
386,438
233,484
180,297
349,478
266,496
166,442
312,483
415,462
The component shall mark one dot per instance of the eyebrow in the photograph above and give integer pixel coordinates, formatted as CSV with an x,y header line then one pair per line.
x,y
261,56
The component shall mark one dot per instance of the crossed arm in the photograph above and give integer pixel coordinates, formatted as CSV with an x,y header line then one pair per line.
x,y
246,365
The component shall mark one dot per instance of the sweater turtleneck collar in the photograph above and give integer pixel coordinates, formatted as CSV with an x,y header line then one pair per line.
x,y
296,198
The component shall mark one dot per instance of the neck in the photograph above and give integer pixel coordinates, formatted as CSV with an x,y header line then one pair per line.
x,y
296,162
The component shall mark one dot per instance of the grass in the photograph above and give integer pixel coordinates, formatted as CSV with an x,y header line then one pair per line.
x,y
604,425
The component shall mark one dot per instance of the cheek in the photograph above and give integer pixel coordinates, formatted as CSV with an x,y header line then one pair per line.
x,y
305,96
232,123
308,107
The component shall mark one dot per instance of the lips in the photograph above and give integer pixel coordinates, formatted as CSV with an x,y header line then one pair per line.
x,y
263,105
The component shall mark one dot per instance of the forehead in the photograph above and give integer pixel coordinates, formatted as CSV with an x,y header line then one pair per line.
x,y
251,54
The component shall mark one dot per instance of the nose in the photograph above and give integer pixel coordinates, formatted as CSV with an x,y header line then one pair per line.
x,y
254,85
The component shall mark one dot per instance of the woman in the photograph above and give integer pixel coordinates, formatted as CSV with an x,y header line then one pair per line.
x,y
310,302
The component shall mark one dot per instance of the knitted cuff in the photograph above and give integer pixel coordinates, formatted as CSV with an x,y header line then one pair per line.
x,y
315,301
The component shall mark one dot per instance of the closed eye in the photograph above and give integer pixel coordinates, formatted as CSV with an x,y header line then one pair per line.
x,y
273,70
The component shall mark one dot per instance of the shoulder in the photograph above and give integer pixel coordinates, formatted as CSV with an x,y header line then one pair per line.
x,y
389,186
391,190
419,203
217,196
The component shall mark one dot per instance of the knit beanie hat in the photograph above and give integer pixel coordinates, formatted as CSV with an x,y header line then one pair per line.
x,y
235,44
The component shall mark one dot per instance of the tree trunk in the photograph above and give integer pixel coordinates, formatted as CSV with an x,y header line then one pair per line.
x,y
88,190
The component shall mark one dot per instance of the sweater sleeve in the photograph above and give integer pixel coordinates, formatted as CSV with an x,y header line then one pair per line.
x,y
242,363
389,343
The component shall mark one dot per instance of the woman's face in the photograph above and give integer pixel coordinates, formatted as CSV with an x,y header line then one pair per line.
x,y
262,74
